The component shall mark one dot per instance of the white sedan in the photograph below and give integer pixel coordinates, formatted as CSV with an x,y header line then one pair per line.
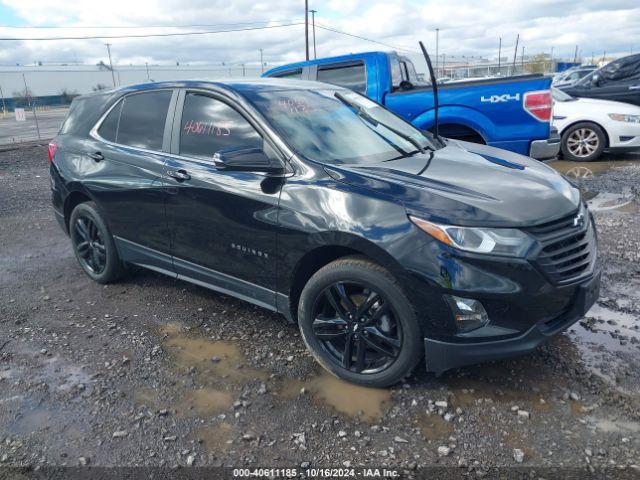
x,y
588,126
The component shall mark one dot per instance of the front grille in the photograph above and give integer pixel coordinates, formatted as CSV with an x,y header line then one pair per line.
x,y
568,251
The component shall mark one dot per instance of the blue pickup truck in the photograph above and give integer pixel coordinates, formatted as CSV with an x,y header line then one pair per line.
x,y
512,113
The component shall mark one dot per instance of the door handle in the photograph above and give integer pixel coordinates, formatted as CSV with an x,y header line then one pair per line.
x,y
634,87
97,156
179,175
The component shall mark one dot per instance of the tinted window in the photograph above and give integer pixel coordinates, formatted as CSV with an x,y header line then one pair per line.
x,y
142,119
209,125
109,126
295,74
83,114
348,76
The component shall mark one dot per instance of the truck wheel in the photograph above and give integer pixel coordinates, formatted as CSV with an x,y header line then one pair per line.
x,y
583,142
358,323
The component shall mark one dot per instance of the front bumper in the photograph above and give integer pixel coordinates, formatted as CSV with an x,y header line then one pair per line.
x,y
441,356
549,148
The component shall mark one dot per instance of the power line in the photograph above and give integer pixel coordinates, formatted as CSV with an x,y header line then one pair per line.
x,y
146,26
149,35
364,38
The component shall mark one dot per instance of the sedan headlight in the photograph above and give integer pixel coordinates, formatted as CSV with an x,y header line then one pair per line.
x,y
623,117
496,241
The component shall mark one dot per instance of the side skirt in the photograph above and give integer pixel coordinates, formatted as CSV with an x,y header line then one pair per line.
x,y
205,277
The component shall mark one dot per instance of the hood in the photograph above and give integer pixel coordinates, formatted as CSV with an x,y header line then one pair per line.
x,y
469,184
604,106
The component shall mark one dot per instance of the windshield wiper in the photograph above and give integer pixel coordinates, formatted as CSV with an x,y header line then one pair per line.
x,y
375,122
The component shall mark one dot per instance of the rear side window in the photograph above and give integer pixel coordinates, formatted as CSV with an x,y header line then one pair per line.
x,y
142,119
209,125
109,128
83,114
350,76
294,74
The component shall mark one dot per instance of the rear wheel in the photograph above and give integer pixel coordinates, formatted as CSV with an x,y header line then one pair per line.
x,y
583,142
93,244
358,323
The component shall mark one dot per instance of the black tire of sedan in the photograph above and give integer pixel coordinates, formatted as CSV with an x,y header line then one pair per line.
x,y
93,244
358,324
583,142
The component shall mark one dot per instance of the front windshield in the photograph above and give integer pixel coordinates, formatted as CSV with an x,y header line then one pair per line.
x,y
560,96
322,127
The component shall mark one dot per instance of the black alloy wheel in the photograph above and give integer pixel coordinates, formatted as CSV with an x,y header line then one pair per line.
x,y
359,325
90,247
93,244
357,328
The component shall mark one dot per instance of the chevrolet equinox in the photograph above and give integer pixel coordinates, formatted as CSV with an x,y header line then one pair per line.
x,y
385,244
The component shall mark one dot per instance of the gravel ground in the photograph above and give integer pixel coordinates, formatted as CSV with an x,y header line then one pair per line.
x,y
157,372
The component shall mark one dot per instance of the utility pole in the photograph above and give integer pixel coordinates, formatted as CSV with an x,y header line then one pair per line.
x,y
313,24
146,64
306,29
31,104
522,60
499,54
515,53
437,47
551,66
113,77
4,108
261,62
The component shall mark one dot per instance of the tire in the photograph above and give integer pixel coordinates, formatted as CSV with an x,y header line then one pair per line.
x,y
388,322
93,244
583,142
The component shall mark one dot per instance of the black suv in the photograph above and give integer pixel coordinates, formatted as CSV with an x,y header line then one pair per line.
x,y
382,242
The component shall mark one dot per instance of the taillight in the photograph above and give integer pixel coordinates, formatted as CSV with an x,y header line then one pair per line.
x,y
539,104
52,150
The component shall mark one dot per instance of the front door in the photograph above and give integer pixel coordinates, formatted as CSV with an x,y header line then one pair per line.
x,y
222,223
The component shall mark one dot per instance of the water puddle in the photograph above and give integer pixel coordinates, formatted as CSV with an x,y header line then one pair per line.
x,y
352,400
608,341
607,425
620,202
579,170
215,439
213,360
433,426
205,402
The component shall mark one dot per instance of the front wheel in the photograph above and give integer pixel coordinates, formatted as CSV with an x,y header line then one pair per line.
x,y
583,142
358,323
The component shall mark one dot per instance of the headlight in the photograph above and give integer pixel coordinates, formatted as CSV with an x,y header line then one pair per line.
x,y
623,117
497,241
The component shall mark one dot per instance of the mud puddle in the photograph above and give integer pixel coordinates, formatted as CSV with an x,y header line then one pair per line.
x,y
579,170
211,373
369,404
608,341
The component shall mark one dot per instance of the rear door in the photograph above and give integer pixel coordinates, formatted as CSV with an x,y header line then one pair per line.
x,y
223,223
131,143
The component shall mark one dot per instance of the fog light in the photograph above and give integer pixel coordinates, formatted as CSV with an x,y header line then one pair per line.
x,y
468,313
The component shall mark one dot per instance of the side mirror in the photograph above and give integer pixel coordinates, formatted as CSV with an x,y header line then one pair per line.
x,y
246,159
595,80
406,85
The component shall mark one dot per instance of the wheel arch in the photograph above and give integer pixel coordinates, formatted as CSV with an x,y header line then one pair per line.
x,y
586,120
342,245
72,200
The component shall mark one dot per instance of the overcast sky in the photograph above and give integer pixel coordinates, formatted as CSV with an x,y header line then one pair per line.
x,y
467,27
